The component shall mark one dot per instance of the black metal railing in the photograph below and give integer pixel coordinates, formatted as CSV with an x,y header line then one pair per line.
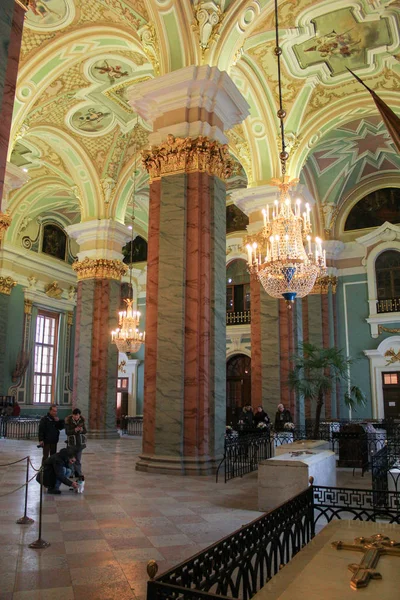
x,y
240,564
385,467
19,428
238,318
353,504
387,306
243,451
131,425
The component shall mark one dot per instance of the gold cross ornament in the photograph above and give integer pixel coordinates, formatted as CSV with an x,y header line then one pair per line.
x,y
373,548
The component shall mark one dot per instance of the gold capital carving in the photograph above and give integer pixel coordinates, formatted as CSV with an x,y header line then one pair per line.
x,y
6,285
187,155
322,285
5,222
28,307
70,318
99,268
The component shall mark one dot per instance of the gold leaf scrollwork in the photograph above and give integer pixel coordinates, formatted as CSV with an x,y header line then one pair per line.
x,y
5,222
381,329
99,268
6,285
187,155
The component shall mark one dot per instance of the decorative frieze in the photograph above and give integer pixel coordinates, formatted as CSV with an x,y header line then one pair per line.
x,y
99,268
6,285
5,222
188,155
323,284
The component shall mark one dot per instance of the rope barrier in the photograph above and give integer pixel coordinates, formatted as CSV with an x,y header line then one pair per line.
x,y
34,468
15,462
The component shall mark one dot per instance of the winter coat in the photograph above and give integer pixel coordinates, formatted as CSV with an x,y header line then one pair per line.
x,y
281,418
74,438
53,469
261,417
49,429
247,417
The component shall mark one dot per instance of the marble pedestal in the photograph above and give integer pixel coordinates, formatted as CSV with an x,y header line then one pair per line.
x,y
302,445
284,476
320,571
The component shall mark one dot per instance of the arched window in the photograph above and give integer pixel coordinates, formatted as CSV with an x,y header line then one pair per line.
x,y
375,209
54,241
387,270
139,250
237,287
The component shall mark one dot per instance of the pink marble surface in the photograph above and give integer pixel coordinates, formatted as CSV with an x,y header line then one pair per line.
x,y
284,352
326,344
78,329
256,370
306,338
150,375
6,108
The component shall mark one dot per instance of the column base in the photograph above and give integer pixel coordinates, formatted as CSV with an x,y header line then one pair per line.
x,y
178,465
103,434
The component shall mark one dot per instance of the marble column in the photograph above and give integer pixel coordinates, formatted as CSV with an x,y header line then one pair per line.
x,y
11,24
6,286
99,270
185,375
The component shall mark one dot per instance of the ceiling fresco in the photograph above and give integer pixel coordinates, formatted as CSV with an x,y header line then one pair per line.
x,y
74,130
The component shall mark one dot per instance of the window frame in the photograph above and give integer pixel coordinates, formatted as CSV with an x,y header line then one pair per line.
x,y
50,315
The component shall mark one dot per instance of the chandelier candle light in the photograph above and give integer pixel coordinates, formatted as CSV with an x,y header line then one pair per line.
x,y
284,267
127,337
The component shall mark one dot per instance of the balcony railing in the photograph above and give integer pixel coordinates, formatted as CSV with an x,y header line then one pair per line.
x,y
388,306
238,318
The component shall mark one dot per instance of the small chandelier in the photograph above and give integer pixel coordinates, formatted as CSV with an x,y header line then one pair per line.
x,y
127,337
278,258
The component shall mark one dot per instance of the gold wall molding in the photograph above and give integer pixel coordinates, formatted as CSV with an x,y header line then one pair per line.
x,y
322,285
70,318
28,307
99,268
6,285
392,356
381,329
52,290
187,155
5,222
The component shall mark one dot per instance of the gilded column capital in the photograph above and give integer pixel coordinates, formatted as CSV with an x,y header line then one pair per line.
x,y
5,222
99,268
6,285
28,306
187,155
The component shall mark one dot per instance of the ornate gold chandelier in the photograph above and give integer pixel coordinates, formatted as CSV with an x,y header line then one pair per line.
x,y
127,337
285,268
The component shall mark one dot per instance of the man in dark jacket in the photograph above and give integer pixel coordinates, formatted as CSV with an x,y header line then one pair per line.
x,y
75,428
49,432
56,470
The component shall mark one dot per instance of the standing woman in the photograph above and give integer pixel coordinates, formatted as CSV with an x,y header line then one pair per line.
x,y
75,428
260,416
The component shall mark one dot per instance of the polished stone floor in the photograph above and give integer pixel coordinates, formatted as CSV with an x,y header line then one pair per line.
x,y
102,540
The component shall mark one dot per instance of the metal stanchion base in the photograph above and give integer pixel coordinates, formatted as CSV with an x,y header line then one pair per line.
x,y
39,544
25,521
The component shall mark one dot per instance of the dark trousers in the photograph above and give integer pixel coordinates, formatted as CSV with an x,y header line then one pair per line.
x,y
48,449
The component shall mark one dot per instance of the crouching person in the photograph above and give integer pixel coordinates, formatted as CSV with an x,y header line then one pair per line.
x,y
56,470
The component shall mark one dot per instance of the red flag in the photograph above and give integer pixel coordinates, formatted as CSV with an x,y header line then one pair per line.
x,y
391,120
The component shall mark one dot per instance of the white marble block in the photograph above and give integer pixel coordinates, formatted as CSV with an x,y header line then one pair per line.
x,y
302,445
284,476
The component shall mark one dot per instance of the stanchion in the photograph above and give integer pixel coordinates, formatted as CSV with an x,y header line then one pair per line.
x,y
25,520
39,543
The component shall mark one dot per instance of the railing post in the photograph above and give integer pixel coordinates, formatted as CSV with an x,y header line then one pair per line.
x,y
39,543
25,520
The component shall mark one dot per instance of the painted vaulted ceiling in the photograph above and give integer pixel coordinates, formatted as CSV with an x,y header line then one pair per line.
x,y
73,127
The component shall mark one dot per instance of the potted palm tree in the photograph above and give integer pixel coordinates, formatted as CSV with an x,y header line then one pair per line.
x,y
316,371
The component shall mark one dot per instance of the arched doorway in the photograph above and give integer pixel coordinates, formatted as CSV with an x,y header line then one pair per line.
x,y
238,386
